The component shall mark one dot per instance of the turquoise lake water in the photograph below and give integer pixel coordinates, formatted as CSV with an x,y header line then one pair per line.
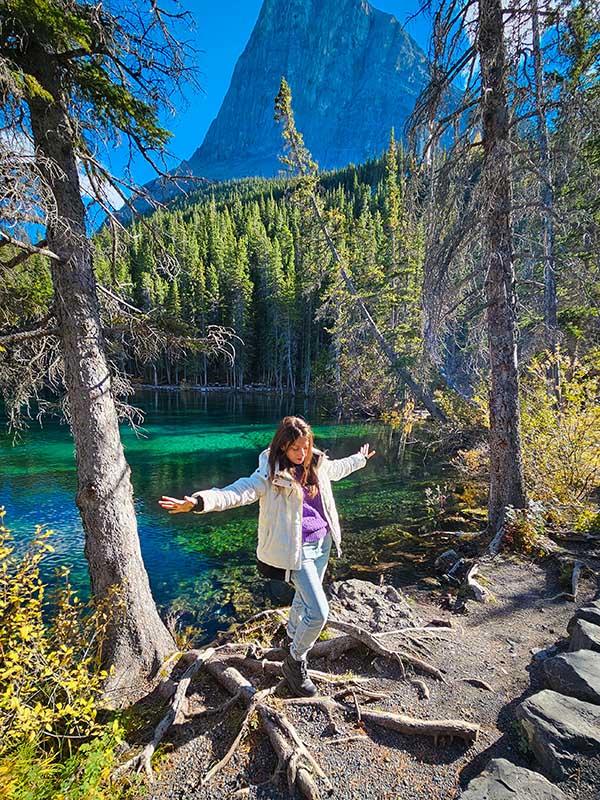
x,y
203,567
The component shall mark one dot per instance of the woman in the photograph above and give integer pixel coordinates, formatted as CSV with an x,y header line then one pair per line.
x,y
297,523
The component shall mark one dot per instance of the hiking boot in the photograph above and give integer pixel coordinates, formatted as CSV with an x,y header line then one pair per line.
x,y
296,675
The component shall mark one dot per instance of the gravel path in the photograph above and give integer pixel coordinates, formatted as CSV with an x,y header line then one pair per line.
x,y
495,643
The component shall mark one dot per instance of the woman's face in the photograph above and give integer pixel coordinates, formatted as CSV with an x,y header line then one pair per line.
x,y
298,450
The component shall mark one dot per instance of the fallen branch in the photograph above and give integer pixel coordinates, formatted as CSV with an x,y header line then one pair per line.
x,y
143,759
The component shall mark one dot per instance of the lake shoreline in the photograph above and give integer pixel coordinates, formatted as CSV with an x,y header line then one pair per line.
x,y
249,389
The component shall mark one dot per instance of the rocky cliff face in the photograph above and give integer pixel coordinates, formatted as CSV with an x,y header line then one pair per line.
x,y
354,74
353,71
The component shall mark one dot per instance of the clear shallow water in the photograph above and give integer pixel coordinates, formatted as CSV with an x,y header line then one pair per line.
x,y
204,566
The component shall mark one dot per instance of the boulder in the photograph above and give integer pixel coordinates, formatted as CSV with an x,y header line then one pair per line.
x,y
502,780
576,674
585,636
590,613
562,731
373,607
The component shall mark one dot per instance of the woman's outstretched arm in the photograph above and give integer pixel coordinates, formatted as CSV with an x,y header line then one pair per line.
x,y
340,468
242,492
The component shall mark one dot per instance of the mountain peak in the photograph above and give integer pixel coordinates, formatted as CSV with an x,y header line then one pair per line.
x,y
354,74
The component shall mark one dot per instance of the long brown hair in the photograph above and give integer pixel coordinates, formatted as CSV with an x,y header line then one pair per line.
x,y
290,429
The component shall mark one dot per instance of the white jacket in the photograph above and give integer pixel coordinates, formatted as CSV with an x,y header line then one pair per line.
x,y
280,511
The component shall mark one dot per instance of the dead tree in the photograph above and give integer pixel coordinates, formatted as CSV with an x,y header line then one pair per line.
x,y
463,34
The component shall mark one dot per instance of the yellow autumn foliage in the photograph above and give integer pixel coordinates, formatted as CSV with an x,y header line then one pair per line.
x,y
52,744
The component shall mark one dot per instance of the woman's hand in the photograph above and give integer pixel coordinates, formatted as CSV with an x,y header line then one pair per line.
x,y
364,451
175,506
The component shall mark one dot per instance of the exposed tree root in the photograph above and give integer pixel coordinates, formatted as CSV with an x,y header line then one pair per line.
x,y
266,667
431,727
478,683
402,723
250,709
422,688
233,664
494,546
292,754
482,594
143,759
577,567
330,649
371,642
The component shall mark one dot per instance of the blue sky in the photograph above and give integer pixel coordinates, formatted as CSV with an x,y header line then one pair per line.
x,y
222,31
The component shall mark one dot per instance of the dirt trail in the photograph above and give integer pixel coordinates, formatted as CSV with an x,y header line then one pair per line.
x,y
489,662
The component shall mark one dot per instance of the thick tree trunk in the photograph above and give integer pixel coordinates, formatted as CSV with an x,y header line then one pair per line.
x,y
506,467
138,642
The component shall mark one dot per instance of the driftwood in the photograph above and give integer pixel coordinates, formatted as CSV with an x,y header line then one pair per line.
x,y
143,759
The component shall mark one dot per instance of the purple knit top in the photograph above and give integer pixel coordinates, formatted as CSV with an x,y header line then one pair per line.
x,y
314,523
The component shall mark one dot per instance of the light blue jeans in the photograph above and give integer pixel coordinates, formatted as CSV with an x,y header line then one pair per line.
x,y
309,610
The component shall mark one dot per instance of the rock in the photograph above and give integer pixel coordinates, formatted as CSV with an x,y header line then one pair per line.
x,y
586,636
542,653
371,606
576,674
562,731
393,595
590,613
502,780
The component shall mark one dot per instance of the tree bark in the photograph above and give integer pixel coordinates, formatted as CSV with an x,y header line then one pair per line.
x,y
138,642
506,466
